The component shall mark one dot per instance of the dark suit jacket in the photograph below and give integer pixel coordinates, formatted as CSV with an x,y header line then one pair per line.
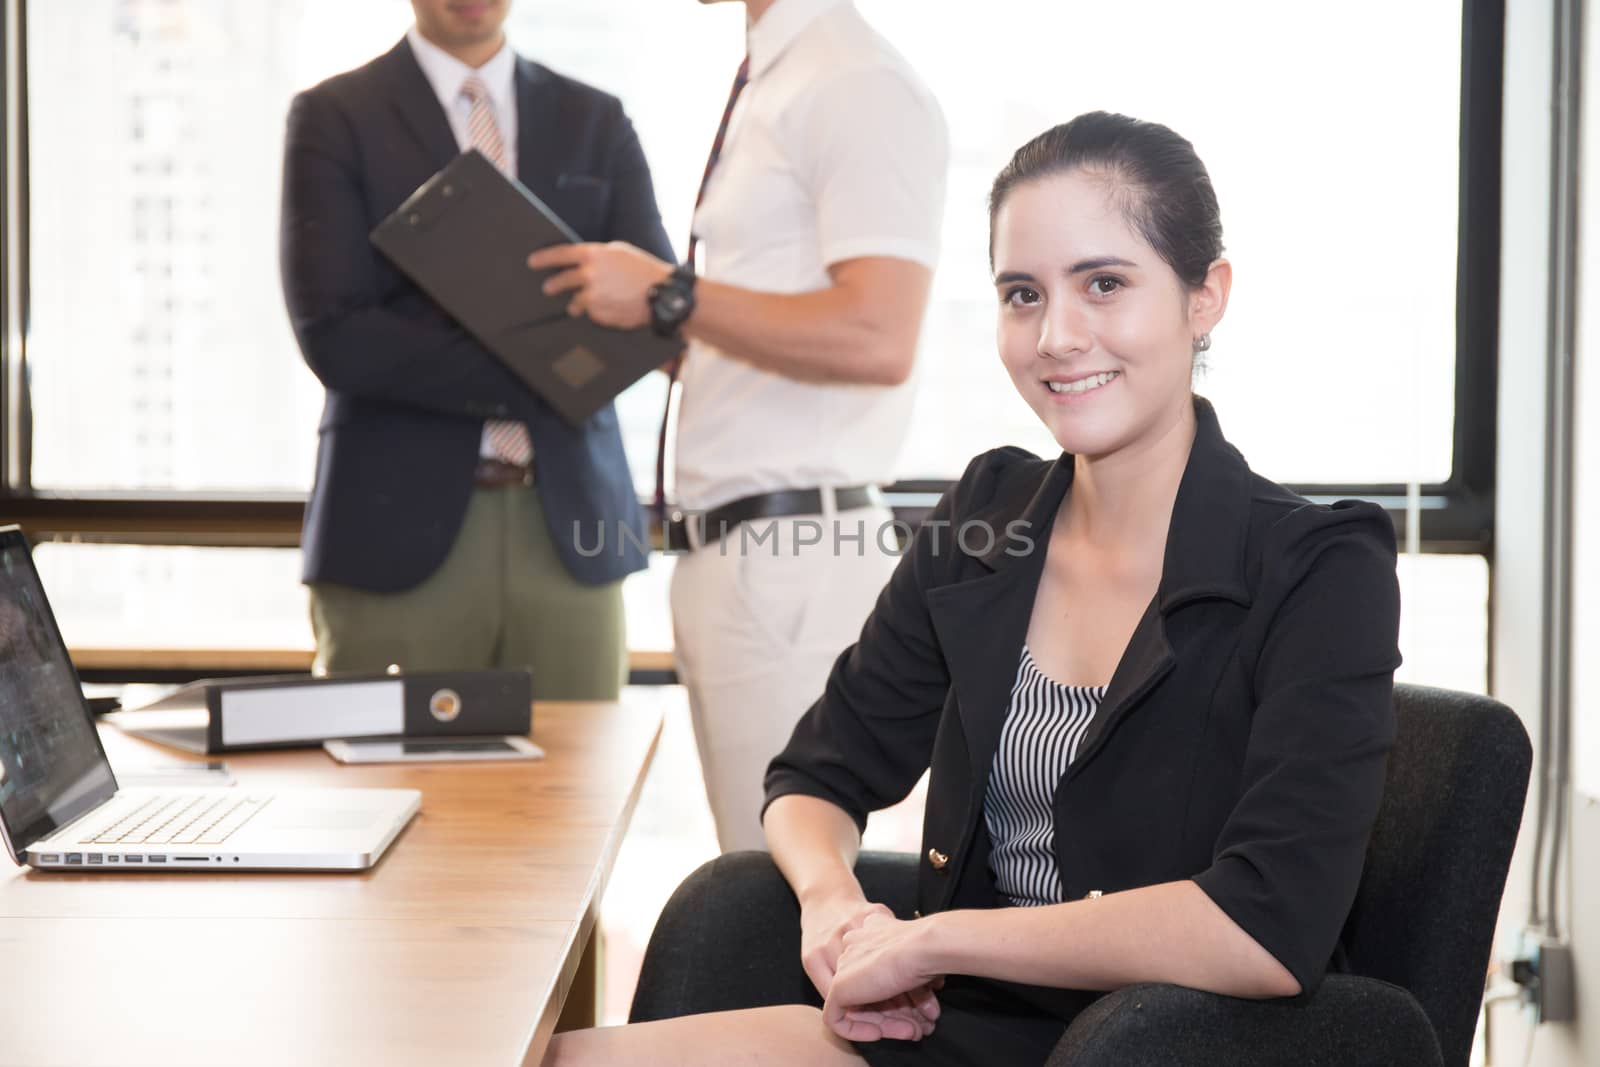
x,y
408,389
1242,740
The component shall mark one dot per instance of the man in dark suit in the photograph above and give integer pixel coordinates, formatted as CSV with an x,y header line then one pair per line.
x,y
444,525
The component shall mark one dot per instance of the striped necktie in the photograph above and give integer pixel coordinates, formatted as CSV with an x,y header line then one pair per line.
x,y
508,437
740,80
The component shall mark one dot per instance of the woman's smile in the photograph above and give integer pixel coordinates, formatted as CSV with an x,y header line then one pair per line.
x,y
1080,388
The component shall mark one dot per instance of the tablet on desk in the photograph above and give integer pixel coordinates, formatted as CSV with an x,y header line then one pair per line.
x,y
433,749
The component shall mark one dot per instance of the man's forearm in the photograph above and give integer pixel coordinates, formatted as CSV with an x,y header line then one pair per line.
x,y
862,328
1171,932
828,335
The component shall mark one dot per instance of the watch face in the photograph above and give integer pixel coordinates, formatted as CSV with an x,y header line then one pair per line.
x,y
670,304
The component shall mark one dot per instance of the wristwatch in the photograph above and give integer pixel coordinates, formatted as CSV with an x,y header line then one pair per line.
x,y
672,301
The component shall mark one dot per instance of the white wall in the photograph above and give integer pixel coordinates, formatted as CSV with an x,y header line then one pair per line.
x,y
1521,537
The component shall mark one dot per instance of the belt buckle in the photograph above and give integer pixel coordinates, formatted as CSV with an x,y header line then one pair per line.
x,y
492,473
850,492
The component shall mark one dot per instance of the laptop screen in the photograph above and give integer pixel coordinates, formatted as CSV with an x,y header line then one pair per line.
x,y
52,767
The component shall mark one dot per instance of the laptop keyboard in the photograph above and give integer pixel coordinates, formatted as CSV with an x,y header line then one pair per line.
x,y
181,819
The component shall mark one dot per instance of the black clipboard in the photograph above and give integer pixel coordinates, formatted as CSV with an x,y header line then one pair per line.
x,y
464,238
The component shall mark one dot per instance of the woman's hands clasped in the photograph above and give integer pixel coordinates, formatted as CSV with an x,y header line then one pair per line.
x,y
824,921
864,962
815,845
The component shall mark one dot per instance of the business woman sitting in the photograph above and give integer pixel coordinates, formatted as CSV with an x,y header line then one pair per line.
x,y
1152,688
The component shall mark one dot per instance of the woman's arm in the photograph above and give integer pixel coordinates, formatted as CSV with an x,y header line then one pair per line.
x,y
1171,932
814,843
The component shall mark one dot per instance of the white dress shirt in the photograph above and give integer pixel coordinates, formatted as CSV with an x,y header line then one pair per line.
x,y
835,151
447,75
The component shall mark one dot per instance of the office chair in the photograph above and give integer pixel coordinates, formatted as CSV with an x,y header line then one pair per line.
x,y
1418,937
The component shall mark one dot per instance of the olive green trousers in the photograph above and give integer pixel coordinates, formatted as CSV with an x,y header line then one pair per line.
x,y
501,598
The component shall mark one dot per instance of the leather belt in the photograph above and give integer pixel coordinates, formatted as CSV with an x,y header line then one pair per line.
x,y
498,474
717,523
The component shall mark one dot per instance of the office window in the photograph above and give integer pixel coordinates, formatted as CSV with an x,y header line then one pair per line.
x,y
1335,362
142,596
177,597
155,163
160,358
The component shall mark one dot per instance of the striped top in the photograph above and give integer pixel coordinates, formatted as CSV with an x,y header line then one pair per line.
x,y
1044,725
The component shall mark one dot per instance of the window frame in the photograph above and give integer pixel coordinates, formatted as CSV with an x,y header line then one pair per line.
x,y
1457,515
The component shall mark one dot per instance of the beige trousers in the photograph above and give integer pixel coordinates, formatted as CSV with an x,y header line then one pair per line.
x,y
757,622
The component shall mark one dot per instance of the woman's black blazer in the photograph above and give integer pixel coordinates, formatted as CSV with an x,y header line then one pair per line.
x,y
1242,739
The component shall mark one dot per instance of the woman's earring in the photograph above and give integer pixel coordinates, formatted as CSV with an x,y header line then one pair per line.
x,y
1202,343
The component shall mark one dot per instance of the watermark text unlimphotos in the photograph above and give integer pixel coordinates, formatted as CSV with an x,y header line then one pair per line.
x,y
803,536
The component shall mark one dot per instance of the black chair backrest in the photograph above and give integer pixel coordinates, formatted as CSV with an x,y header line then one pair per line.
x,y
1425,914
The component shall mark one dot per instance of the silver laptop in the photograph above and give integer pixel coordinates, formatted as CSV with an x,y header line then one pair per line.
x,y
60,808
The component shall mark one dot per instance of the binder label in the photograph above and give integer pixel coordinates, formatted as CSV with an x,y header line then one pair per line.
x,y
333,709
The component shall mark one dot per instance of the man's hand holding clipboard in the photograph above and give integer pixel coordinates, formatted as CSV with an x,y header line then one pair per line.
x,y
463,237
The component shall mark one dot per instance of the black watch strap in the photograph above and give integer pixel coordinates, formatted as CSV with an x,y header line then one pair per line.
x,y
672,301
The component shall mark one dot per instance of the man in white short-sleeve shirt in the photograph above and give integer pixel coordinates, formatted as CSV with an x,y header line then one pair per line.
x,y
820,219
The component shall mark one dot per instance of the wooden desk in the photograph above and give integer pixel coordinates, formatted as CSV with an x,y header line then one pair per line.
x,y
458,948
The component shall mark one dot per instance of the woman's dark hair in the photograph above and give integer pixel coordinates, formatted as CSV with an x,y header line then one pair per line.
x,y
1160,184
